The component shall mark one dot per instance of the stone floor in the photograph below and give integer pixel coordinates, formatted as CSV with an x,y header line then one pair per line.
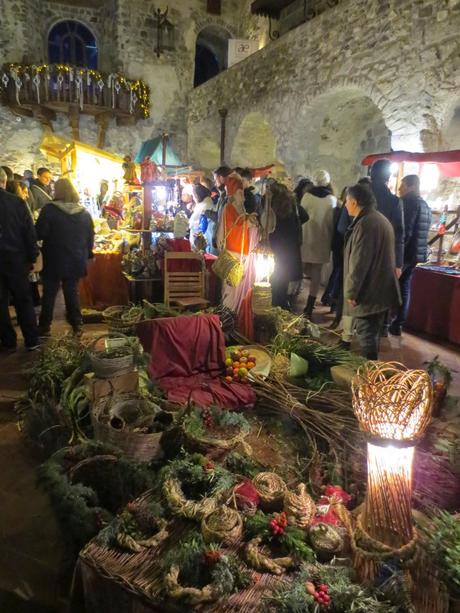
x,y
34,575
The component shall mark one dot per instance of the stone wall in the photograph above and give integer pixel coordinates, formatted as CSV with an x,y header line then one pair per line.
x,y
126,36
337,88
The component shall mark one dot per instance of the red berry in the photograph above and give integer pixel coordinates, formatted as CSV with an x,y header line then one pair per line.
x,y
316,595
323,588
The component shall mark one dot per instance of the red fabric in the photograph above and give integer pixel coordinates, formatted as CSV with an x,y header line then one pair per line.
x,y
188,361
435,304
448,162
183,246
105,284
245,323
246,495
236,229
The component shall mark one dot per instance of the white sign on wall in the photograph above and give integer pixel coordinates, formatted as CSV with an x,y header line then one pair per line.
x,y
238,49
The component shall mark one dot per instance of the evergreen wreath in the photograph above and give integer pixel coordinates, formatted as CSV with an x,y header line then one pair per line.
x,y
192,485
208,428
141,524
273,532
196,572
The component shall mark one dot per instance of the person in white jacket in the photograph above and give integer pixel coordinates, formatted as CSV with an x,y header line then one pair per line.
x,y
319,203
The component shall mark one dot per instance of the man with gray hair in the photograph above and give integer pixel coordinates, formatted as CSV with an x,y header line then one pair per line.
x,y
18,252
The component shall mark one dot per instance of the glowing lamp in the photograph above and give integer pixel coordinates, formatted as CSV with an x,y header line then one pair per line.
x,y
393,406
264,264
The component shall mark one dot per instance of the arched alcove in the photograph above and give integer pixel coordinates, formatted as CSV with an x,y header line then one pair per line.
x,y
254,144
335,132
71,42
210,53
451,127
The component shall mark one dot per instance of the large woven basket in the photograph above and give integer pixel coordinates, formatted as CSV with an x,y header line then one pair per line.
x,y
139,446
105,367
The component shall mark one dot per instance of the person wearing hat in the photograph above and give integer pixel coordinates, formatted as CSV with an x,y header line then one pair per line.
x,y
318,202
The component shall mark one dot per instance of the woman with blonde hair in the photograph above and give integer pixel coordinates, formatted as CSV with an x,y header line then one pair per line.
x,y
67,232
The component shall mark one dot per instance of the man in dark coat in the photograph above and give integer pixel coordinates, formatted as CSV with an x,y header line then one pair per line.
x,y
417,222
40,188
18,252
67,232
370,283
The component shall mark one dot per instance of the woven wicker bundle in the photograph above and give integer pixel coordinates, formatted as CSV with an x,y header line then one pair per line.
x,y
122,318
180,505
192,595
300,508
126,541
257,559
224,525
271,489
261,298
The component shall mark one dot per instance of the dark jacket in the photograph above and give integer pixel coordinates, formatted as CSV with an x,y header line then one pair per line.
x,y
369,266
41,194
285,241
18,241
251,201
417,222
67,232
391,206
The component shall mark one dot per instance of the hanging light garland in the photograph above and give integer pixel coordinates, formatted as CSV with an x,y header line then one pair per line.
x,y
139,91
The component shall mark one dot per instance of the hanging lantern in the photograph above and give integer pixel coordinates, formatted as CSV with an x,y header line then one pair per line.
x,y
393,406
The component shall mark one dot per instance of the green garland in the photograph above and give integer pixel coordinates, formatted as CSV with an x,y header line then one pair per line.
x,y
292,539
346,596
243,465
81,508
442,544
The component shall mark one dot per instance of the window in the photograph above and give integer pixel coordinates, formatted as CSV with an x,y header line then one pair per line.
x,y
210,53
70,42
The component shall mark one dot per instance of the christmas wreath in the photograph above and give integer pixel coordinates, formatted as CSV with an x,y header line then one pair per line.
x,y
198,573
140,525
275,546
215,431
193,485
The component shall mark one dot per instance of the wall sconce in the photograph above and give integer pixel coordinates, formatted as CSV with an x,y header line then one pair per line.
x,y
393,406
165,32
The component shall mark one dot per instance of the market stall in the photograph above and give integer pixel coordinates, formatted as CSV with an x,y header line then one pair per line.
x,y
99,177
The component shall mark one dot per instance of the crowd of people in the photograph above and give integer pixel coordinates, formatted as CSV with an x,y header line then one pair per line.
x,y
373,237
31,212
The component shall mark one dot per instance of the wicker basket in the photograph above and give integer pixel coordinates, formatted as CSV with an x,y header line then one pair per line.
x,y
115,318
135,445
104,368
261,298
215,448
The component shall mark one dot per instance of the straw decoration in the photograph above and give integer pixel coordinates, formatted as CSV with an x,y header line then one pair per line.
x,y
271,489
224,525
300,508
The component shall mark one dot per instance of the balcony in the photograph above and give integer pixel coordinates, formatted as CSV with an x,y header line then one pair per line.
x,y
45,90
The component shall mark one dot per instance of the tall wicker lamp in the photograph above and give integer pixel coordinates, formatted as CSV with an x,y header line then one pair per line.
x,y
393,406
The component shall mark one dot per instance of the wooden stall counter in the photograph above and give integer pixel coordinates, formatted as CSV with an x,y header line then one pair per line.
x,y
105,284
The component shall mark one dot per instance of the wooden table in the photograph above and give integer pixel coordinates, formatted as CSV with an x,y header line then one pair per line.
x,y
105,284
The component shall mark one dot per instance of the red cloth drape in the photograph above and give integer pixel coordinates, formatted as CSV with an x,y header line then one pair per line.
x,y
435,304
187,360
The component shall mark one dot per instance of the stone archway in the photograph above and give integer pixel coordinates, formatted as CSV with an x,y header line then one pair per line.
x,y
211,51
254,144
335,131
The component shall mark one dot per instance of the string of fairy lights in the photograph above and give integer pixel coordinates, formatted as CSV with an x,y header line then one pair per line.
x,y
137,88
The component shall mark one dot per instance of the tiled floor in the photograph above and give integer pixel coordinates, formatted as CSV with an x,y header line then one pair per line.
x,y
32,556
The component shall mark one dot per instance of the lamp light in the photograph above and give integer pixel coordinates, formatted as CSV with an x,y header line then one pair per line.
x,y
393,406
